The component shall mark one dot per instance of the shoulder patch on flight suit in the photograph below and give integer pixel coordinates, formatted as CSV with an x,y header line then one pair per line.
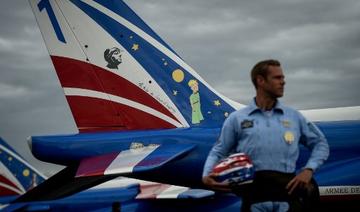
x,y
247,124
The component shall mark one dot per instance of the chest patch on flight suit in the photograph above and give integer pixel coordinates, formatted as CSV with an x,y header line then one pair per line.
x,y
247,124
286,123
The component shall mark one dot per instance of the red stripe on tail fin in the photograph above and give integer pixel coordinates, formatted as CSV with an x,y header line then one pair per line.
x,y
93,114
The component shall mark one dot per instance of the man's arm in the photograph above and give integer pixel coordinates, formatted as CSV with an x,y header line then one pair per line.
x,y
315,140
221,149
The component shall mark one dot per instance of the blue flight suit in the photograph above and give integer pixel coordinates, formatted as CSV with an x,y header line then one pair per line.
x,y
270,138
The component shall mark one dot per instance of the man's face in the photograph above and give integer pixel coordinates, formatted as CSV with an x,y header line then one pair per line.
x,y
274,83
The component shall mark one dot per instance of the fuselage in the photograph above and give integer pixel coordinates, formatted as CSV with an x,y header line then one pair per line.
x,y
339,169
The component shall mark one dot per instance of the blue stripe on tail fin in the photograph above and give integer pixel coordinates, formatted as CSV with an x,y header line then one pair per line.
x,y
198,102
118,74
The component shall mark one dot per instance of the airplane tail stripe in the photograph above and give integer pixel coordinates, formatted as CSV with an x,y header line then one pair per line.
x,y
6,181
172,192
120,100
6,190
101,162
85,77
16,175
126,161
136,30
94,115
12,154
144,70
151,55
151,191
121,9
114,163
89,7
11,177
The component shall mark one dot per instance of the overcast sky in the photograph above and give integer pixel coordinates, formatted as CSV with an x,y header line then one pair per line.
x,y
317,42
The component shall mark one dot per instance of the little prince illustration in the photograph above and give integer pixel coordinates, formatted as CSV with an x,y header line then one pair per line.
x,y
197,116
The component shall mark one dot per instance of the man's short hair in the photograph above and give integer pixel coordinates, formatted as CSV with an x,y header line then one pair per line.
x,y
261,68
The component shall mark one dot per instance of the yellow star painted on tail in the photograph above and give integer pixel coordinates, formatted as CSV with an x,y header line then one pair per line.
x,y
217,103
135,47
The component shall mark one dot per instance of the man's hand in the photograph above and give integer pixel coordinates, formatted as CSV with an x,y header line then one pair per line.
x,y
210,182
301,180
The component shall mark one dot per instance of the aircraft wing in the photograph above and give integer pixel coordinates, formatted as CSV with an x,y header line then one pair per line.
x,y
153,190
138,158
96,170
130,193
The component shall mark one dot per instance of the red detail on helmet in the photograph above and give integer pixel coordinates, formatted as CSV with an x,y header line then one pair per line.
x,y
235,160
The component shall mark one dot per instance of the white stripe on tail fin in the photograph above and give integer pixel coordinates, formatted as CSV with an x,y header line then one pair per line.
x,y
104,48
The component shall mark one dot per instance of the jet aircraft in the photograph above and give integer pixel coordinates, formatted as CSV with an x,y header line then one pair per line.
x,y
17,176
143,112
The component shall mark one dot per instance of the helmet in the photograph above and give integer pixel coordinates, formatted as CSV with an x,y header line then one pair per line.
x,y
235,169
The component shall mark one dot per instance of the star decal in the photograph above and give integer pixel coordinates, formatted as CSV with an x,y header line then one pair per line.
x,y
217,103
164,61
226,114
135,47
175,92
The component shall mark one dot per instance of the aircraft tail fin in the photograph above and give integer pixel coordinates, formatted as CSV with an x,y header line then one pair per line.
x,y
16,175
118,74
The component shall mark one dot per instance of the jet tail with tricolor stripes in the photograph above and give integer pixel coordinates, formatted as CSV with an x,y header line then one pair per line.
x,y
118,74
16,175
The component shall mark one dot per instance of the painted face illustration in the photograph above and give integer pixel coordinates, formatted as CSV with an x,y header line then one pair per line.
x,y
113,57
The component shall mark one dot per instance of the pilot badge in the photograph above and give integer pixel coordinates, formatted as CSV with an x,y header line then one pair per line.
x,y
286,123
247,124
289,137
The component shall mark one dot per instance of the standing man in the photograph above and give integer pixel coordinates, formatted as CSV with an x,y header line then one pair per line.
x,y
270,134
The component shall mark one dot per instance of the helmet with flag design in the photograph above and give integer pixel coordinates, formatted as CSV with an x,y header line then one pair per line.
x,y
235,169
